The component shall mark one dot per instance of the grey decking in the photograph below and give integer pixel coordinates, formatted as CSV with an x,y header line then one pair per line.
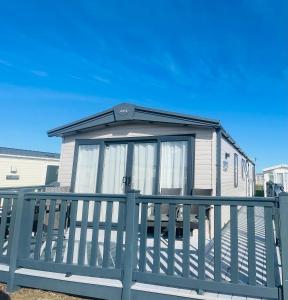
x,y
193,261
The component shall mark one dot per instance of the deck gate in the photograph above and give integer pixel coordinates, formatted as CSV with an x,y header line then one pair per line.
x,y
43,232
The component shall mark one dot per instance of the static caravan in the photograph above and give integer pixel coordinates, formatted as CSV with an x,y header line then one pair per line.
x,y
27,167
277,174
153,151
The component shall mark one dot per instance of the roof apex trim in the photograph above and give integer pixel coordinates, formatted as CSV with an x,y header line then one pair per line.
x,y
129,112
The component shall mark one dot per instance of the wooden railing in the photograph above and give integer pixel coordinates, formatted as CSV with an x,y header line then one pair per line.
x,y
115,237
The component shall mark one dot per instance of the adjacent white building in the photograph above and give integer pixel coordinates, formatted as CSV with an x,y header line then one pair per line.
x,y
277,174
27,168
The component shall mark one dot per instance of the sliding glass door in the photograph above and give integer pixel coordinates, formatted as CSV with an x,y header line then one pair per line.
x,y
160,165
86,171
86,175
144,167
114,168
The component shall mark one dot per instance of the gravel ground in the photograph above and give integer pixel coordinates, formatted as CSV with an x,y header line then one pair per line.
x,y
32,294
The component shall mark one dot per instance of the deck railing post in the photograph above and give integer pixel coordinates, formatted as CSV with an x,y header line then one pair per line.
x,y
129,244
15,241
283,213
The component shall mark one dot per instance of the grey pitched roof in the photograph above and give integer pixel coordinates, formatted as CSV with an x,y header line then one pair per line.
x,y
28,153
125,112
128,112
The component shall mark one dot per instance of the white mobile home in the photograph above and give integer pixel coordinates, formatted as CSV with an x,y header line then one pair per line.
x,y
277,174
27,168
156,152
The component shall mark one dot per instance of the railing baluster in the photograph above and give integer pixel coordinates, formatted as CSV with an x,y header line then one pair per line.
x,y
40,221
95,234
120,229
171,238
251,244
136,236
28,219
217,243
270,247
5,212
143,238
72,229
50,228
157,238
234,243
201,243
12,224
60,238
186,240
83,233
107,238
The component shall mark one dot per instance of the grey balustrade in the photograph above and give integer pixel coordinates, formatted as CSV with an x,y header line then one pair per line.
x,y
114,237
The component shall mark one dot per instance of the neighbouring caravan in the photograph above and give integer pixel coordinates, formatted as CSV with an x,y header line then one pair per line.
x,y
157,152
20,168
277,174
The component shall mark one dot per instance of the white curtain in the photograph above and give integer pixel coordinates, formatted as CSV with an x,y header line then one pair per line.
x,y
114,169
173,166
87,165
86,175
144,167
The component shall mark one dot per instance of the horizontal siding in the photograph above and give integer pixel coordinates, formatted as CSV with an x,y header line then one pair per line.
x,y
203,148
245,186
31,171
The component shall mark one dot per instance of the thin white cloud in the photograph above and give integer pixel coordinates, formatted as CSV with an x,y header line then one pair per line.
x,y
5,63
101,79
39,73
28,93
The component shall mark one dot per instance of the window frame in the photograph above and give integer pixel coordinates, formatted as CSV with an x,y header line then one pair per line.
x,y
236,170
130,142
243,168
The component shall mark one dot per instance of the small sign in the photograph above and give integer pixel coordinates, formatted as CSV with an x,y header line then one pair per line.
x,y
12,177
124,112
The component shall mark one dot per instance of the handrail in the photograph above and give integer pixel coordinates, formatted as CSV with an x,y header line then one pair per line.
x,y
213,198
79,196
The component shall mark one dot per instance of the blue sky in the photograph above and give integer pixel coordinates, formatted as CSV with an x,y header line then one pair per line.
x,y
63,60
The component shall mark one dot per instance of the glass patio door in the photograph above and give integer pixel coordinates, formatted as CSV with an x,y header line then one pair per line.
x,y
144,167
114,169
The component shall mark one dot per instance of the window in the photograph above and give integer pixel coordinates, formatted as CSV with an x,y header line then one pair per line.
x,y
271,177
173,167
280,179
86,172
235,170
243,169
144,167
153,165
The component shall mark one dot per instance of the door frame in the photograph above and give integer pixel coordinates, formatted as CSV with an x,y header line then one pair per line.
x,y
130,141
